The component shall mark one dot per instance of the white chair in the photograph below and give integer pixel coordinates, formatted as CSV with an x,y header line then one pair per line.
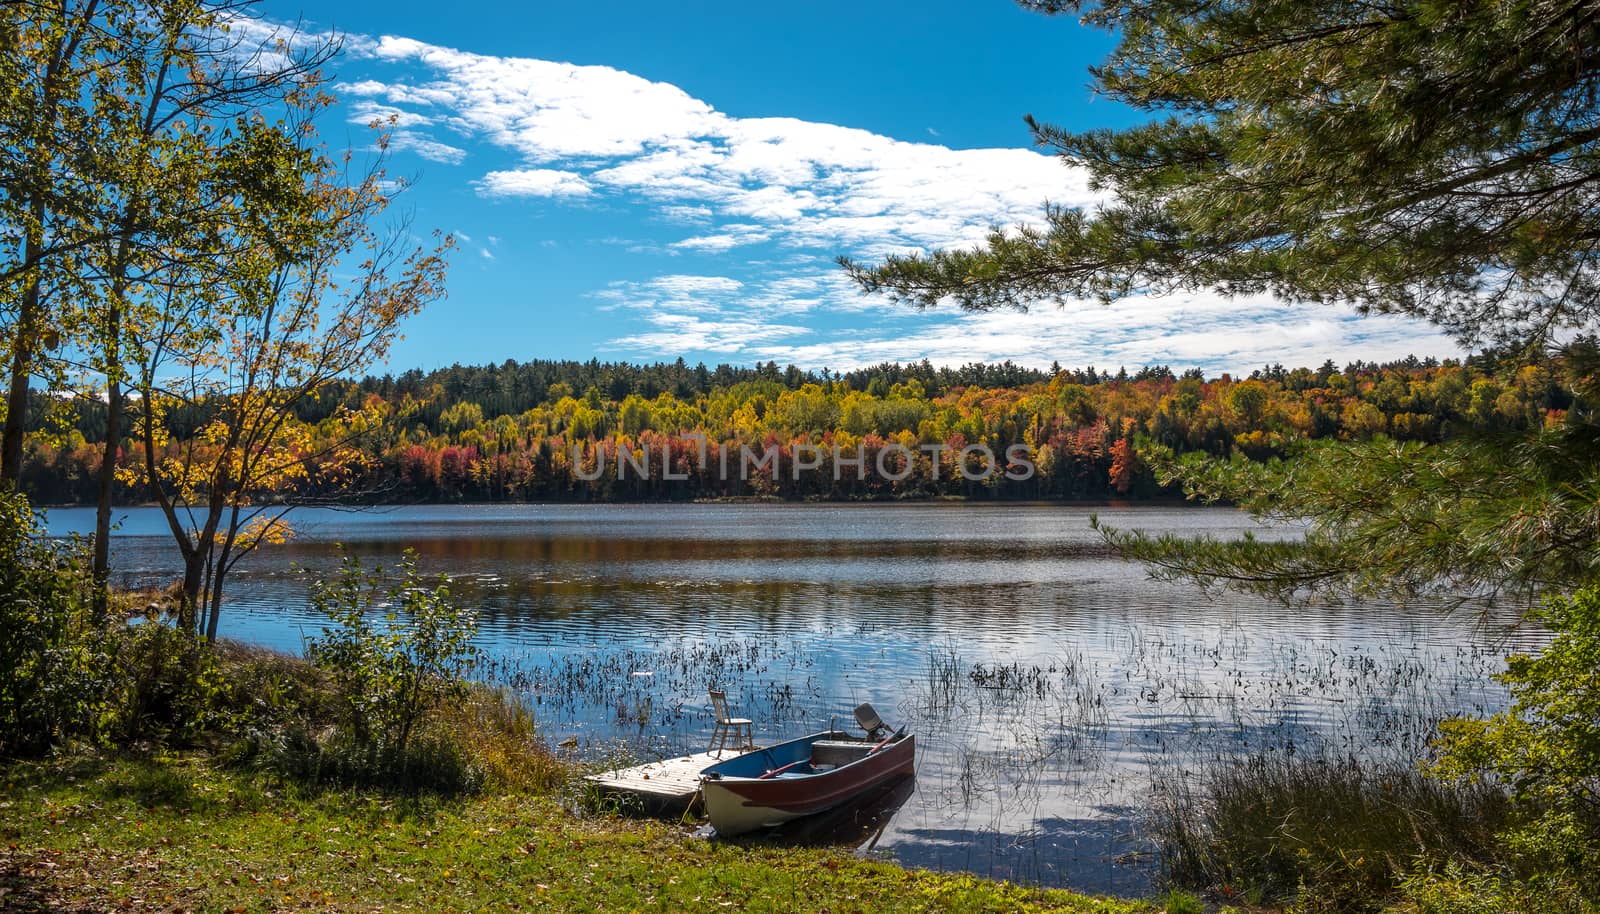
x,y
728,728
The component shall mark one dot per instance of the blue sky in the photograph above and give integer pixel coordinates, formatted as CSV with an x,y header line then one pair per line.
x,y
636,181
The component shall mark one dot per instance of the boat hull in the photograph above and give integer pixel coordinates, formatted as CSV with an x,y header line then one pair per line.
x,y
737,805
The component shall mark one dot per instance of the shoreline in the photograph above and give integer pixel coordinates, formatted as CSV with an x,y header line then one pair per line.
x,y
1166,501
180,832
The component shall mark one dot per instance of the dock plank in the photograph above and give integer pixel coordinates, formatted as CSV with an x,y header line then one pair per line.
x,y
673,778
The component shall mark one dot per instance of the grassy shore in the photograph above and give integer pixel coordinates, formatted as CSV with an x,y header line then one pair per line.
x,y
178,833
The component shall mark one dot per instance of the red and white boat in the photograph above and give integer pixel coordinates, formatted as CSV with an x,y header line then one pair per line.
x,y
804,776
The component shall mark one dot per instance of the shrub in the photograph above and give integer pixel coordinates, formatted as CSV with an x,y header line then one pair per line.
x,y
54,669
390,672
1336,835
168,683
1459,890
264,689
1546,747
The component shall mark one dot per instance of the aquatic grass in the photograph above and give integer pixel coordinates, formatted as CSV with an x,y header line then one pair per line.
x,y
647,692
1333,834
943,682
1016,735
501,736
1010,744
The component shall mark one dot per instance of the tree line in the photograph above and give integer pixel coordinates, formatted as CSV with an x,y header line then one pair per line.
x,y
653,433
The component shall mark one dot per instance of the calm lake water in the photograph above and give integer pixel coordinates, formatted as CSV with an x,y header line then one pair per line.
x,y
1048,683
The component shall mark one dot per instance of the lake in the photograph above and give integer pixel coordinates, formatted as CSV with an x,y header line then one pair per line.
x,y
1048,682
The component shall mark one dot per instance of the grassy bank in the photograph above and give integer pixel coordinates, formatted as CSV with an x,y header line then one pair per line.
x,y
178,833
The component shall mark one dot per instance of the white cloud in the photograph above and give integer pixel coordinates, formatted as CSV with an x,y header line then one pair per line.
x,y
603,130
253,37
790,194
533,182
762,300
680,333
687,213
369,112
427,148
1205,330
731,237
673,294
695,285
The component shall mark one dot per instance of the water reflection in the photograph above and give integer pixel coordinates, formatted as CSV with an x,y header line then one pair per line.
x,y
1048,683
859,824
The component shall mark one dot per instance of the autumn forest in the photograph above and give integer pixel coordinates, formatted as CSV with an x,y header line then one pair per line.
x,y
510,432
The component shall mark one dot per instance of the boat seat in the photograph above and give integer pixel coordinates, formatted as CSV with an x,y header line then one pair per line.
x,y
838,751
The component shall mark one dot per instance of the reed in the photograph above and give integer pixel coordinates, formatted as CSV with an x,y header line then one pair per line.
x,y
1329,834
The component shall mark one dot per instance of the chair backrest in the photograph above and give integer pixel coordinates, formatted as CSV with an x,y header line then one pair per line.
x,y
868,718
719,705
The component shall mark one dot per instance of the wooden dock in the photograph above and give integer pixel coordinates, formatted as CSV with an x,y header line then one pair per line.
x,y
661,785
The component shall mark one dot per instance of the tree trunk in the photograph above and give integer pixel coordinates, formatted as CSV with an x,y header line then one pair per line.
x,y
102,517
23,350
108,453
221,572
194,580
215,611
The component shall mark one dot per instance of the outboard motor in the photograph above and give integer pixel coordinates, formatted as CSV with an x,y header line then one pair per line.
x,y
867,717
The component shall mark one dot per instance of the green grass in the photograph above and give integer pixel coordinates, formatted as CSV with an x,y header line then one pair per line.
x,y
1177,901
177,833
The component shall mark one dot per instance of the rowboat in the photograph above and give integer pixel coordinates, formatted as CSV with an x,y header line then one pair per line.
x,y
802,777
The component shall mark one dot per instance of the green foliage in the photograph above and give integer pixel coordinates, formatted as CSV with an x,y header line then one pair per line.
x,y
397,649
1546,747
264,690
1177,901
1331,835
1072,421
503,741
53,662
1456,889
1463,890
1487,516
1434,159
462,416
168,686
1419,157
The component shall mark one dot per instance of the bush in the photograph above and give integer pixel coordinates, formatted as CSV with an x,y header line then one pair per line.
x,y
168,682
263,689
1546,747
390,672
54,668
1334,835
433,760
1458,890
